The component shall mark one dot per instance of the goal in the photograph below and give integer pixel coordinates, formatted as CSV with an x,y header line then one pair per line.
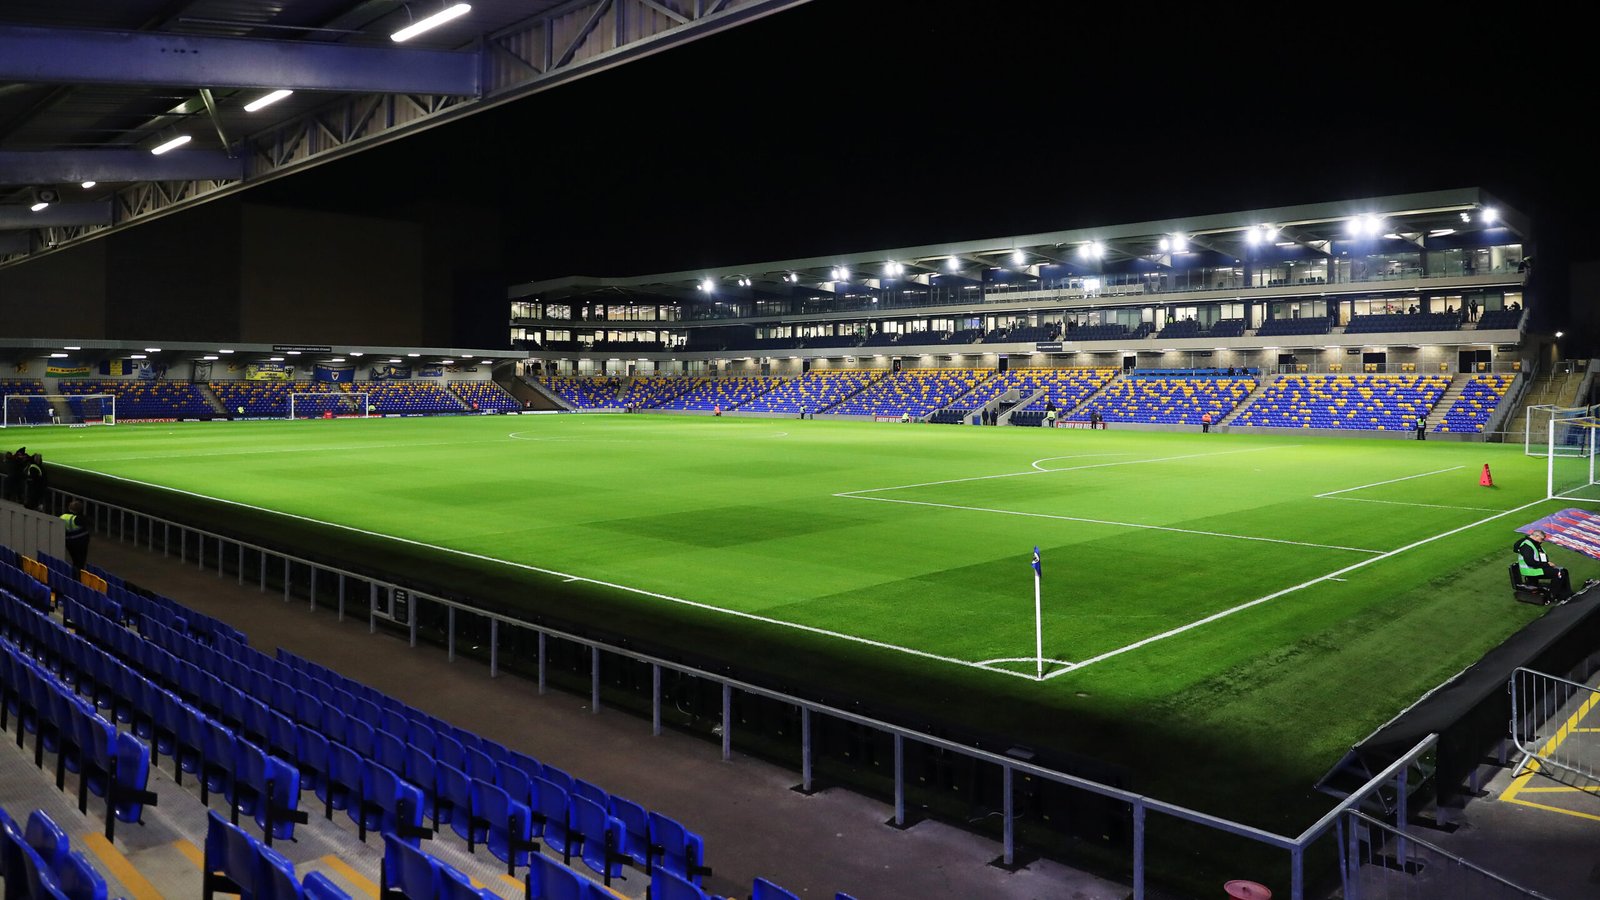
x,y
1544,421
59,409
316,404
1570,459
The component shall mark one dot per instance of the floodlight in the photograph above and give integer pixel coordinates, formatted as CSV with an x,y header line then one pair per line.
x,y
1018,257
266,100
173,144
1180,244
843,274
88,184
953,264
1558,335
1490,215
38,206
1166,245
431,22
1253,236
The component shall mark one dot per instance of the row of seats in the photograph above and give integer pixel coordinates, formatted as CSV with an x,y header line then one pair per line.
x,y
1497,319
140,399
814,391
21,410
237,863
1067,389
1479,399
728,393
1385,322
408,397
583,391
1294,327
1172,401
1359,402
260,399
915,392
38,862
484,395
648,391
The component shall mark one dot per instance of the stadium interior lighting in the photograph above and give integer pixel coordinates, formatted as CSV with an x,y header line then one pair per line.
x,y
953,264
58,356
1018,257
1490,215
1559,335
1253,236
266,100
394,359
337,359
1091,284
1466,218
413,355
224,351
173,144
357,353
274,359
72,348
431,22
707,285
210,358
1441,232
292,352
152,349
485,362
1165,245
38,206
137,356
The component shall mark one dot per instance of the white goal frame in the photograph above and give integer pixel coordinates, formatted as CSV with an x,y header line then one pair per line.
x,y
1572,447
106,418
1542,422
364,397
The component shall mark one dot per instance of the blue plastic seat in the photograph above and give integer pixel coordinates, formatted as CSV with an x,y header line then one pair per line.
x,y
458,796
635,822
550,880
79,880
665,885
277,880
763,889
455,886
509,824
311,755
676,849
421,772
601,835
408,870
342,781
46,838
389,751
318,886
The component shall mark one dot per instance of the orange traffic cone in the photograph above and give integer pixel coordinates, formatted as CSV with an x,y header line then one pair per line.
x,y
1486,480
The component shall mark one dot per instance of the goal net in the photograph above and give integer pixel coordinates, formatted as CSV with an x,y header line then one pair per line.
x,y
59,409
1544,421
325,404
1570,459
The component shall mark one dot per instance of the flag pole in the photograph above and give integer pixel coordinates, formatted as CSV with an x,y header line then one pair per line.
x,y
1038,619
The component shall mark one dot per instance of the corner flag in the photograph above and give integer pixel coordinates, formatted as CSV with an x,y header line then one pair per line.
x,y
1037,569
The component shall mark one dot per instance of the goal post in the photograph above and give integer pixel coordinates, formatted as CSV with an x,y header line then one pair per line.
x,y
1572,447
59,409
1544,421
315,404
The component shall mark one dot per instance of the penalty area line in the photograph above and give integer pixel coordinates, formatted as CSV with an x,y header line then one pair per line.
x,y
1362,487
1331,576
1039,471
809,629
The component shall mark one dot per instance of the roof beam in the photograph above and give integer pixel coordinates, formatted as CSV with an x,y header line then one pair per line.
x,y
91,213
80,56
72,166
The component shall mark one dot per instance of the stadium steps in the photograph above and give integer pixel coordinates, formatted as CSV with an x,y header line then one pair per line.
x,y
754,397
1559,389
1005,417
957,404
536,395
1082,409
1458,384
1249,400
210,396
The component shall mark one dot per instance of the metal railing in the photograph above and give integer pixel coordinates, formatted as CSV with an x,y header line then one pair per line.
x,y
214,551
1546,715
1372,869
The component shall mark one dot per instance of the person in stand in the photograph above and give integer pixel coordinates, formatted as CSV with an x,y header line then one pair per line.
x,y
716,409
77,537
35,483
1205,422
905,417
1534,564
1422,428
16,466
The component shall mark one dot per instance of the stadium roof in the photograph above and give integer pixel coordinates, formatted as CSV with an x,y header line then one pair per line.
x,y
89,88
1434,219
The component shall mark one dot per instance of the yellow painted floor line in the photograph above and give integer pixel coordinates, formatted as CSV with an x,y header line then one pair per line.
x,y
512,880
1555,809
191,853
1563,789
1520,783
360,881
139,888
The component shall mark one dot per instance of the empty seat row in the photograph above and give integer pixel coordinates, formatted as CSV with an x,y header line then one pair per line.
x,y
37,861
236,863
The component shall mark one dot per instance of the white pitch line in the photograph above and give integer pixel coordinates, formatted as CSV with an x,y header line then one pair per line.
x,y
566,575
1406,503
1130,462
1032,515
1362,487
1036,462
1331,576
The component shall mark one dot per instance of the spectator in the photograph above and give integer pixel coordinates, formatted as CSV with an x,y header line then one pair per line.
x,y
77,537
16,468
35,483
1205,422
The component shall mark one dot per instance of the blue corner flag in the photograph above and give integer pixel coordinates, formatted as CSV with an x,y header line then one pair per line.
x,y
1037,569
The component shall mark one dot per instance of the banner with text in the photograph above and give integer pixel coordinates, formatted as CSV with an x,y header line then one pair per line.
x,y
430,372
389,373
64,369
152,371
334,374
268,371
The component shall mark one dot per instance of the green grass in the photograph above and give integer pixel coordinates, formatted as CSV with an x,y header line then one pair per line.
x,y
703,519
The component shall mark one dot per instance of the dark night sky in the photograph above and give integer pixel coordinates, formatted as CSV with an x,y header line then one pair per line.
x,y
848,125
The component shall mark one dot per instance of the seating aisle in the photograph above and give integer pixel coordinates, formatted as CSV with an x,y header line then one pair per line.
x,y
752,823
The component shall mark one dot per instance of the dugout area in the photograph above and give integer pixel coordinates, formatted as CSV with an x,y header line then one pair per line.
x,y
1240,716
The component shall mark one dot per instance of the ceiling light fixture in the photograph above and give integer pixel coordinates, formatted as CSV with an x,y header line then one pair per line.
x,y
173,144
266,100
431,22
88,184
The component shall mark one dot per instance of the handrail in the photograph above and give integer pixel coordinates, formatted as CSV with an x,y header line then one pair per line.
x,y
1140,804
1453,857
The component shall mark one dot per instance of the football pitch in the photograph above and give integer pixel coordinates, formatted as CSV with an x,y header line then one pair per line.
x,y
1201,594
